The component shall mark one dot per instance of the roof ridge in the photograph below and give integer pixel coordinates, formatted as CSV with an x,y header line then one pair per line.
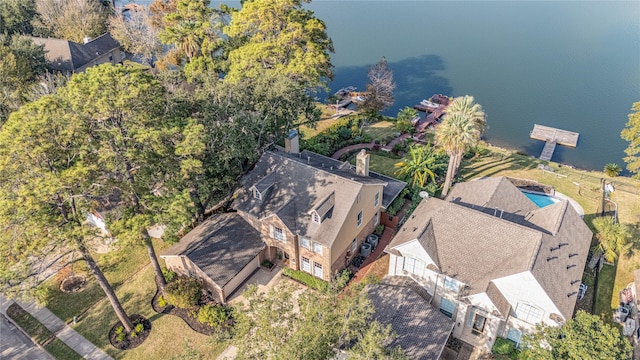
x,y
482,213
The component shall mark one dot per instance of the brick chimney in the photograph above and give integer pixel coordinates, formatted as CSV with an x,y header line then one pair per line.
x,y
292,142
362,163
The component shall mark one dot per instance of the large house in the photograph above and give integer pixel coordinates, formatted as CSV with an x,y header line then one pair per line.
x,y
69,57
492,260
311,213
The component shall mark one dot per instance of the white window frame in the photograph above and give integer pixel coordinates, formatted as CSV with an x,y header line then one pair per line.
x,y
510,335
318,270
279,234
316,217
529,313
444,307
376,200
414,266
354,245
305,264
475,330
305,242
376,219
317,248
359,219
451,284
256,194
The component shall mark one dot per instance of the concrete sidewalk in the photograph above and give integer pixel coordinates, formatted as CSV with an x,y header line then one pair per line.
x,y
59,328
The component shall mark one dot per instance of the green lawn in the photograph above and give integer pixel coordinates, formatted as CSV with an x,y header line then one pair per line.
x,y
604,294
61,351
381,130
170,336
117,271
38,332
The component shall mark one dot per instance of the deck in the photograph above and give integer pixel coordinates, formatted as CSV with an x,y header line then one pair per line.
x,y
553,137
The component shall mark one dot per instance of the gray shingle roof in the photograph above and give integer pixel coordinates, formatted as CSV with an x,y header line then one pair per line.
x,y
221,246
421,329
472,245
300,184
65,55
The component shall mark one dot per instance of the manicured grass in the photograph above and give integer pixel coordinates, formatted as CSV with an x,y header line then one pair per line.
x,y
381,130
61,351
604,294
68,305
326,120
381,164
38,332
169,334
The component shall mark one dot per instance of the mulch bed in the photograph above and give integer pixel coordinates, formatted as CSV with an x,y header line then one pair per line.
x,y
185,315
73,283
130,342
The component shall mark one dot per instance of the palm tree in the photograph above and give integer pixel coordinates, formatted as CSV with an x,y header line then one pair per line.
x,y
456,134
419,166
466,106
612,236
612,169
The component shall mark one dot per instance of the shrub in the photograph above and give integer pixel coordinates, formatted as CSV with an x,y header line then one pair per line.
x,y
342,279
139,328
379,230
119,330
503,346
213,315
168,274
307,279
184,292
120,337
161,301
268,264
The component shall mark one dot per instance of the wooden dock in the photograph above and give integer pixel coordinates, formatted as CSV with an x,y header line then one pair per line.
x,y
553,137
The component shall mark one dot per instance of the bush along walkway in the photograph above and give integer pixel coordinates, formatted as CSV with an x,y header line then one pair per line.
x,y
59,328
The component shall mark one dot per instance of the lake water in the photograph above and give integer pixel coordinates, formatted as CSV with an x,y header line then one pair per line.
x,y
573,65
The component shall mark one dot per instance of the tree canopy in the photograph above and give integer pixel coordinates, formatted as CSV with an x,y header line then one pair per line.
x,y
70,20
631,133
16,16
380,88
136,34
612,236
281,37
585,336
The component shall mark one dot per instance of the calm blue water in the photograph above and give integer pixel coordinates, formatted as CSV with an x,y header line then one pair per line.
x,y
539,199
574,65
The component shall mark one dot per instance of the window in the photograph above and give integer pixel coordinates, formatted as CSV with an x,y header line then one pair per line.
x,y
305,243
450,284
354,245
376,201
529,313
447,307
317,248
360,218
514,335
376,219
305,264
257,195
414,266
279,234
317,270
478,324
316,217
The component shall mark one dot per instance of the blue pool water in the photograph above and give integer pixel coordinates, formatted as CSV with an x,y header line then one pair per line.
x,y
539,199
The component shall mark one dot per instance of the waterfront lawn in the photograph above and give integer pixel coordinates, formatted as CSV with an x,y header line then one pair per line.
x,y
326,120
381,164
68,305
381,130
170,336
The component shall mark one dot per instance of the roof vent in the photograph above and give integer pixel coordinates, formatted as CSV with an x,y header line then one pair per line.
x,y
551,258
562,244
573,282
415,228
572,255
570,266
554,248
308,159
571,293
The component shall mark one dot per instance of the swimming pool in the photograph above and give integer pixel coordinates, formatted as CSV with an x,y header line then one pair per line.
x,y
540,200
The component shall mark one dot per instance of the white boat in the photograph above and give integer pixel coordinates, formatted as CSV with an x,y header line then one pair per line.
x,y
345,90
428,103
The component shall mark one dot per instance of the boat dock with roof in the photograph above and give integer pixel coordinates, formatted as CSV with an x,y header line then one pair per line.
x,y
553,136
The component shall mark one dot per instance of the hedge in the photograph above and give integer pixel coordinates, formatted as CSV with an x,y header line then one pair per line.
x,y
307,279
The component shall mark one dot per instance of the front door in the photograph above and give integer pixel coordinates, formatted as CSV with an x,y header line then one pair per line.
x,y
478,324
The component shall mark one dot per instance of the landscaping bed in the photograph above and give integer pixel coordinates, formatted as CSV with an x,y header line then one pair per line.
x,y
184,314
121,340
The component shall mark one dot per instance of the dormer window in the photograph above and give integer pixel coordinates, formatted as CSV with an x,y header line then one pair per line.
x,y
323,209
256,194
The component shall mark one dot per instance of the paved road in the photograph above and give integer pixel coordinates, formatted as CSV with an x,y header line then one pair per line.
x,y
15,345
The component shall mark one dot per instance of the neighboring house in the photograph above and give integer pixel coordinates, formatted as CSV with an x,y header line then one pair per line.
x,y
313,211
492,260
222,251
422,331
69,57
308,211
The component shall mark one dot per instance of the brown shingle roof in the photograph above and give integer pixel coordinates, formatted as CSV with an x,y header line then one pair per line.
x,y
472,245
221,246
421,329
65,55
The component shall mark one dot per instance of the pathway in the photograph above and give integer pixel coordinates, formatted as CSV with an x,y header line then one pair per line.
x,y
349,148
59,328
395,141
